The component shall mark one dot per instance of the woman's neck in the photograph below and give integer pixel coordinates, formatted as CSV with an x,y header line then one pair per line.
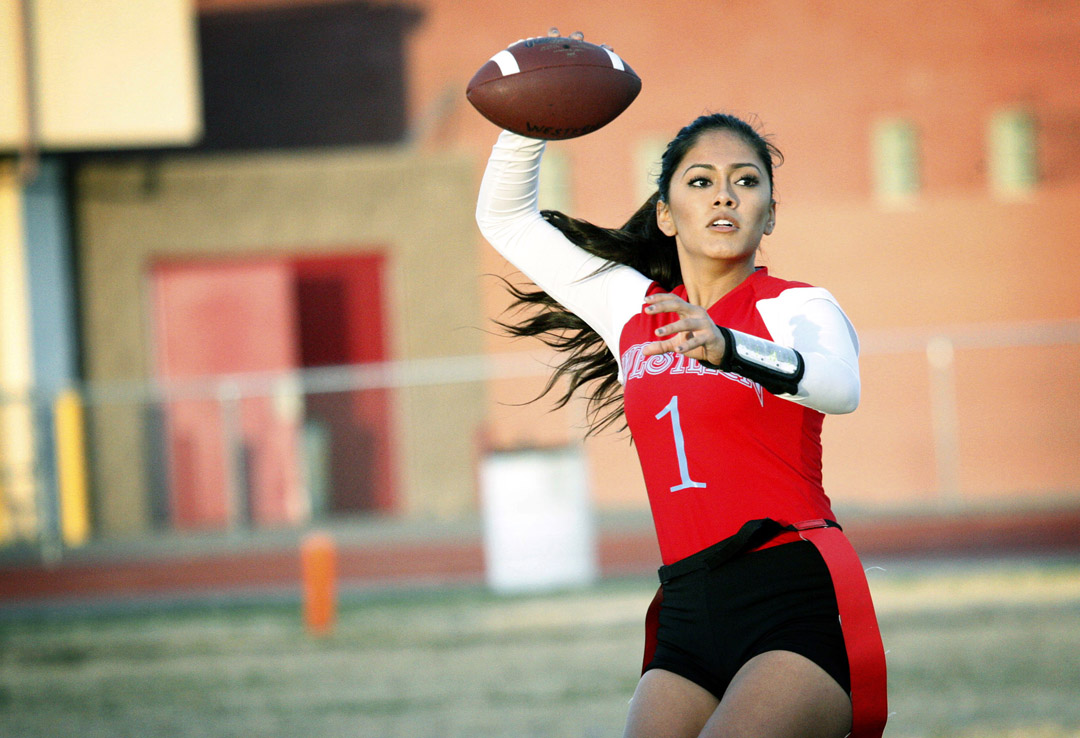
x,y
705,289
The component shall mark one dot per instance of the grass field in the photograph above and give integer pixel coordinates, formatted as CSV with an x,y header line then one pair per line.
x,y
976,650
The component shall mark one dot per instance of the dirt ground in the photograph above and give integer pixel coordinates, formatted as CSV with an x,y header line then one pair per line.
x,y
977,649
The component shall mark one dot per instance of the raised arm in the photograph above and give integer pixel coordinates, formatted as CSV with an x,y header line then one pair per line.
x,y
509,218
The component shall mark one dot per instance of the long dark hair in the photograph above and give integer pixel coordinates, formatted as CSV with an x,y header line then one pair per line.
x,y
638,243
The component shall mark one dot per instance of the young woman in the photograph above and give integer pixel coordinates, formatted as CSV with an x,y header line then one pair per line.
x,y
724,373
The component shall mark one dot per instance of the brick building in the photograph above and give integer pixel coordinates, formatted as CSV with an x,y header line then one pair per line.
x,y
931,182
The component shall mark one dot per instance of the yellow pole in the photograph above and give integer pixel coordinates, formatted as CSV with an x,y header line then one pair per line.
x,y
71,468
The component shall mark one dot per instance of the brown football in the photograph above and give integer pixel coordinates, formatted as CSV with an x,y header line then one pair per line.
x,y
553,87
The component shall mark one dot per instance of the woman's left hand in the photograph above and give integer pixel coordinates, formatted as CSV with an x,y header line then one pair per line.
x,y
693,333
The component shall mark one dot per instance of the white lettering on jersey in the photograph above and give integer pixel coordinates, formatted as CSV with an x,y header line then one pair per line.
x,y
659,364
636,364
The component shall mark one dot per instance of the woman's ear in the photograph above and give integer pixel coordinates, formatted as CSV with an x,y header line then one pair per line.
x,y
664,220
771,222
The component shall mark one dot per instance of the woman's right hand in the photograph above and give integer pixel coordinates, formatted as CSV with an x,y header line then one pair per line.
x,y
693,334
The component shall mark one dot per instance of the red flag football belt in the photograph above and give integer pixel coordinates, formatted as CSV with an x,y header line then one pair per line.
x,y
862,638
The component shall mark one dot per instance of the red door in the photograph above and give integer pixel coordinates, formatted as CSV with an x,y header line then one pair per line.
x,y
230,461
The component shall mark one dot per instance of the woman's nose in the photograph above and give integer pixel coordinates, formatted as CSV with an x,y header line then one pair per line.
x,y
726,198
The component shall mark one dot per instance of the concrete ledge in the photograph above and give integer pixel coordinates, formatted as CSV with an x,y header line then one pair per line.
x,y
395,553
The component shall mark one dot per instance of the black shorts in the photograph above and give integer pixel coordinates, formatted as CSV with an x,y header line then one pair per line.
x,y
712,621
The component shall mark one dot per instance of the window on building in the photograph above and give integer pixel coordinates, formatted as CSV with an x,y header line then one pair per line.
x,y
555,191
895,143
647,167
282,76
1012,153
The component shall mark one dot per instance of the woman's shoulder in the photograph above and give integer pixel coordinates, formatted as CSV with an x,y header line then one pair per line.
x,y
787,295
767,285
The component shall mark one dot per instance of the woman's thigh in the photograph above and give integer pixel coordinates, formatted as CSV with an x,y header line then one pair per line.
x,y
780,694
666,705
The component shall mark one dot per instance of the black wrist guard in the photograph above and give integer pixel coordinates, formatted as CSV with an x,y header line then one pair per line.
x,y
776,368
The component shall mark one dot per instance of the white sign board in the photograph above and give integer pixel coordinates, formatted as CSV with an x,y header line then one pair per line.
x,y
538,523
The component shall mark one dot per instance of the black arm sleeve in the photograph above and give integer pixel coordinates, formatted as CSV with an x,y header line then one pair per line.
x,y
776,368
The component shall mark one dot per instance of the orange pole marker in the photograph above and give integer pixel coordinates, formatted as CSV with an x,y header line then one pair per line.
x,y
318,558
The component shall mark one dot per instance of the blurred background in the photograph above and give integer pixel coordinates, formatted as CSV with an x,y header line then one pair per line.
x,y
243,297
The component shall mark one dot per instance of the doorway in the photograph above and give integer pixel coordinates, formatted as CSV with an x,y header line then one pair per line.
x,y
279,456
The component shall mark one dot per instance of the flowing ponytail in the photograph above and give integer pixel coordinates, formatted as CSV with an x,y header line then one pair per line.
x,y
640,244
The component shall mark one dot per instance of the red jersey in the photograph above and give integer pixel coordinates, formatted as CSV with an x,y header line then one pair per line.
x,y
717,449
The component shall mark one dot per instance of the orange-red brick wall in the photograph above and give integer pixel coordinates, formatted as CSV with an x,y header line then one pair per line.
x,y
818,74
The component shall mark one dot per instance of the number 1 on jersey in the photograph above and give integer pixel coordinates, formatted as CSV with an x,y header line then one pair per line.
x,y
672,409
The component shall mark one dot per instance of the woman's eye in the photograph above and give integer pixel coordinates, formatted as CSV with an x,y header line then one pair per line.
x,y
748,180
700,182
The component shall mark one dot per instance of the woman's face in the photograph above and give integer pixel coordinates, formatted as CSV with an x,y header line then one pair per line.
x,y
719,203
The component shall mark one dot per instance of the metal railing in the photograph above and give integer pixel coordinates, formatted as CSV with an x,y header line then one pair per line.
x,y
941,344
49,489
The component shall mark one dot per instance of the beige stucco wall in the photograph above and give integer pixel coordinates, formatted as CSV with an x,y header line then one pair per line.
x,y
104,74
18,506
419,212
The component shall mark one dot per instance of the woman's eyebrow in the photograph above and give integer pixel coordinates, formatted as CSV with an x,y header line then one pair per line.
x,y
711,167
699,166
